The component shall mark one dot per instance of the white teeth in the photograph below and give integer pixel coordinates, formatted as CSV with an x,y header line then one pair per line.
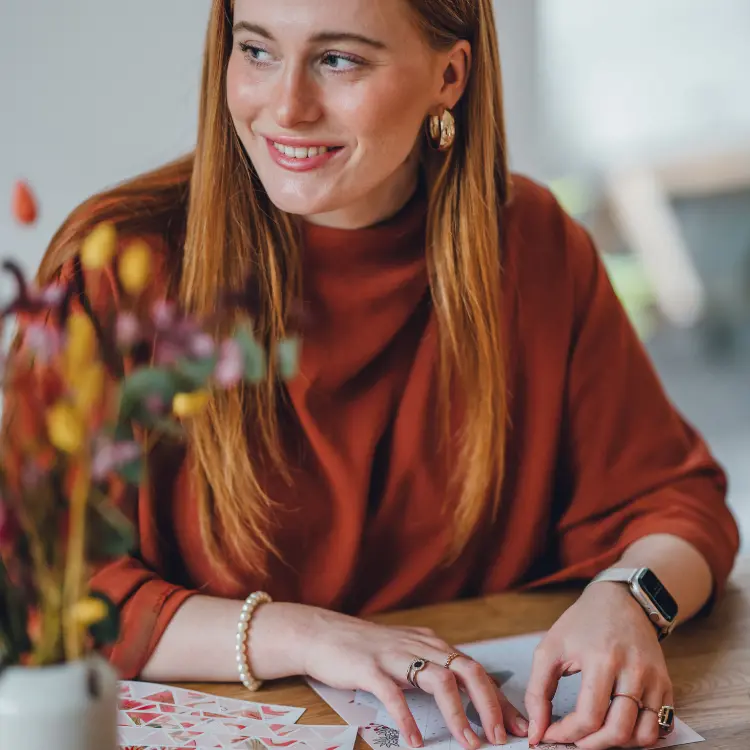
x,y
301,153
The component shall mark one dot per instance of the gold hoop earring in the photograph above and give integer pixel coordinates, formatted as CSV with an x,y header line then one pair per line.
x,y
441,131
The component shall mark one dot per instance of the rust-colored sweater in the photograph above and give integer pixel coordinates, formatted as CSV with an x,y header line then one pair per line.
x,y
597,456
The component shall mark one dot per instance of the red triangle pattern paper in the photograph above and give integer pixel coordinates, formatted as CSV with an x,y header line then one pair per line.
x,y
165,696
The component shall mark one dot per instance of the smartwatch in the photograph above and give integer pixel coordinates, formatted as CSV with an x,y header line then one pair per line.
x,y
649,592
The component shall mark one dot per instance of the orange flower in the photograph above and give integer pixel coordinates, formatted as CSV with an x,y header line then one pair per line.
x,y
24,204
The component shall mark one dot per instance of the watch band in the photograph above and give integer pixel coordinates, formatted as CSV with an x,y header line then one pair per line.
x,y
617,575
633,577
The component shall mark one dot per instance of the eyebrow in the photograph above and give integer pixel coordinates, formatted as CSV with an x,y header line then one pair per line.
x,y
321,36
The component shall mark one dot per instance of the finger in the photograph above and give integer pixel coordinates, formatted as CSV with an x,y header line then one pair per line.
x,y
646,732
592,704
392,697
545,673
484,696
442,649
513,719
668,700
441,684
622,714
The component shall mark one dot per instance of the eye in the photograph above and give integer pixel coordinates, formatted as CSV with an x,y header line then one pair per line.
x,y
254,54
340,63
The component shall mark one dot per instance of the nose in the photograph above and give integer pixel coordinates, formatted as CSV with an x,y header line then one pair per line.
x,y
295,98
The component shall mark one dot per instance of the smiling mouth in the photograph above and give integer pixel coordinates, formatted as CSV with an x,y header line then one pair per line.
x,y
304,152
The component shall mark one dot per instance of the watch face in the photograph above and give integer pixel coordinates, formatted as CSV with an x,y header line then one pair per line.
x,y
658,595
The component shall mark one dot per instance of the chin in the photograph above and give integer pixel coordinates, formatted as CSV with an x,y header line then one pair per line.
x,y
293,200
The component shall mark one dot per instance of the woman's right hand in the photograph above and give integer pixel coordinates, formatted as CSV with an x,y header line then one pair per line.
x,y
347,653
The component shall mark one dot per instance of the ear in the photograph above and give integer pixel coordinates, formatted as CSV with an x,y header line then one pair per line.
x,y
455,68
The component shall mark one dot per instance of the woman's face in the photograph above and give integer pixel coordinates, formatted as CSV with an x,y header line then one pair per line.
x,y
329,98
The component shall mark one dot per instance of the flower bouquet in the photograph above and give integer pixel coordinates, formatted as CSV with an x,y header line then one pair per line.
x,y
75,418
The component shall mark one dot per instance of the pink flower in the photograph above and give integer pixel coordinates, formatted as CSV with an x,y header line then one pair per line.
x,y
163,314
231,364
52,295
111,456
128,330
42,341
167,353
202,346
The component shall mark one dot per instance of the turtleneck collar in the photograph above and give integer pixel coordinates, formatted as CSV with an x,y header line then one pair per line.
x,y
393,241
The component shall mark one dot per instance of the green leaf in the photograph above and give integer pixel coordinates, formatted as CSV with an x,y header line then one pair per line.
x,y
110,533
254,356
105,631
133,472
197,372
149,381
287,355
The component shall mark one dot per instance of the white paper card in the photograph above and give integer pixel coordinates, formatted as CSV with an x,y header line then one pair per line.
x,y
509,661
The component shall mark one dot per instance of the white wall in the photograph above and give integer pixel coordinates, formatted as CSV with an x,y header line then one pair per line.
x,y
91,92
94,91
631,79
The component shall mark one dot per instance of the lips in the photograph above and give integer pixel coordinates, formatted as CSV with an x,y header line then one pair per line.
x,y
297,156
302,152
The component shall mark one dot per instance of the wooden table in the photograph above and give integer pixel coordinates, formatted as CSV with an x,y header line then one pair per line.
x,y
709,659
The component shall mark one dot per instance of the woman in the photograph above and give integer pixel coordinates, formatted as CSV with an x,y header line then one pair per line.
x,y
473,412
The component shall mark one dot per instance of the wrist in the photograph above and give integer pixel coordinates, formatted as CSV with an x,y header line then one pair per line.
x,y
277,638
645,591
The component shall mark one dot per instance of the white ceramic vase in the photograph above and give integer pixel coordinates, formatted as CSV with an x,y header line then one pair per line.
x,y
66,707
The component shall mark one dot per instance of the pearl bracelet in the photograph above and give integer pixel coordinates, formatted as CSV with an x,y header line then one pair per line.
x,y
243,626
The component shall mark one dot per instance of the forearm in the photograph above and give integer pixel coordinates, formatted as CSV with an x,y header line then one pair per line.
x,y
682,569
200,642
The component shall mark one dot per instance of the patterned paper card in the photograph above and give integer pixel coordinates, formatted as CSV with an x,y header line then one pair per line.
x,y
295,737
194,720
150,697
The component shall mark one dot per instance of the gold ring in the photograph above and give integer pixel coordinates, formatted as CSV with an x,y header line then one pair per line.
x,y
415,667
666,718
450,659
628,695
664,715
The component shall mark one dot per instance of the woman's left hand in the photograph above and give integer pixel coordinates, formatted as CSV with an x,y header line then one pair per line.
x,y
607,637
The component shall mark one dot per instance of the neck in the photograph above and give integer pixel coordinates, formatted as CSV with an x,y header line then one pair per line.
x,y
377,205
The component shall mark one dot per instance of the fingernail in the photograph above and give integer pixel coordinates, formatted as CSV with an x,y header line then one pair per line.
x,y
522,726
532,733
471,738
415,740
499,735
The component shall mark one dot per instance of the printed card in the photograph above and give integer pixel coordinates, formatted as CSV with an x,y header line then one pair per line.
x,y
161,699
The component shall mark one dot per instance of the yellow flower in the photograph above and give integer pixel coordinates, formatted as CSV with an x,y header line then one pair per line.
x,y
89,611
89,387
134,267
80,346
99,247
189,404
65,428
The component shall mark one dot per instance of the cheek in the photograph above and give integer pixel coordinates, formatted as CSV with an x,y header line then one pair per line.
x,y
390,119
239,99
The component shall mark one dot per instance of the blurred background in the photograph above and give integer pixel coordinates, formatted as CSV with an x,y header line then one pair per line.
x,y
635,112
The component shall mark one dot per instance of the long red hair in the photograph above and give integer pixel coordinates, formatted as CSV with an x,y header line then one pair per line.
x,y
216,215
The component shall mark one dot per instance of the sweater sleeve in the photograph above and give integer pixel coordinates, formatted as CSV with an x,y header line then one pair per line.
x,y
135,584
632,465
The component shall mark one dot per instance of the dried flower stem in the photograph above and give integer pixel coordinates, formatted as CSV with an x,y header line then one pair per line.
x,y
74,567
